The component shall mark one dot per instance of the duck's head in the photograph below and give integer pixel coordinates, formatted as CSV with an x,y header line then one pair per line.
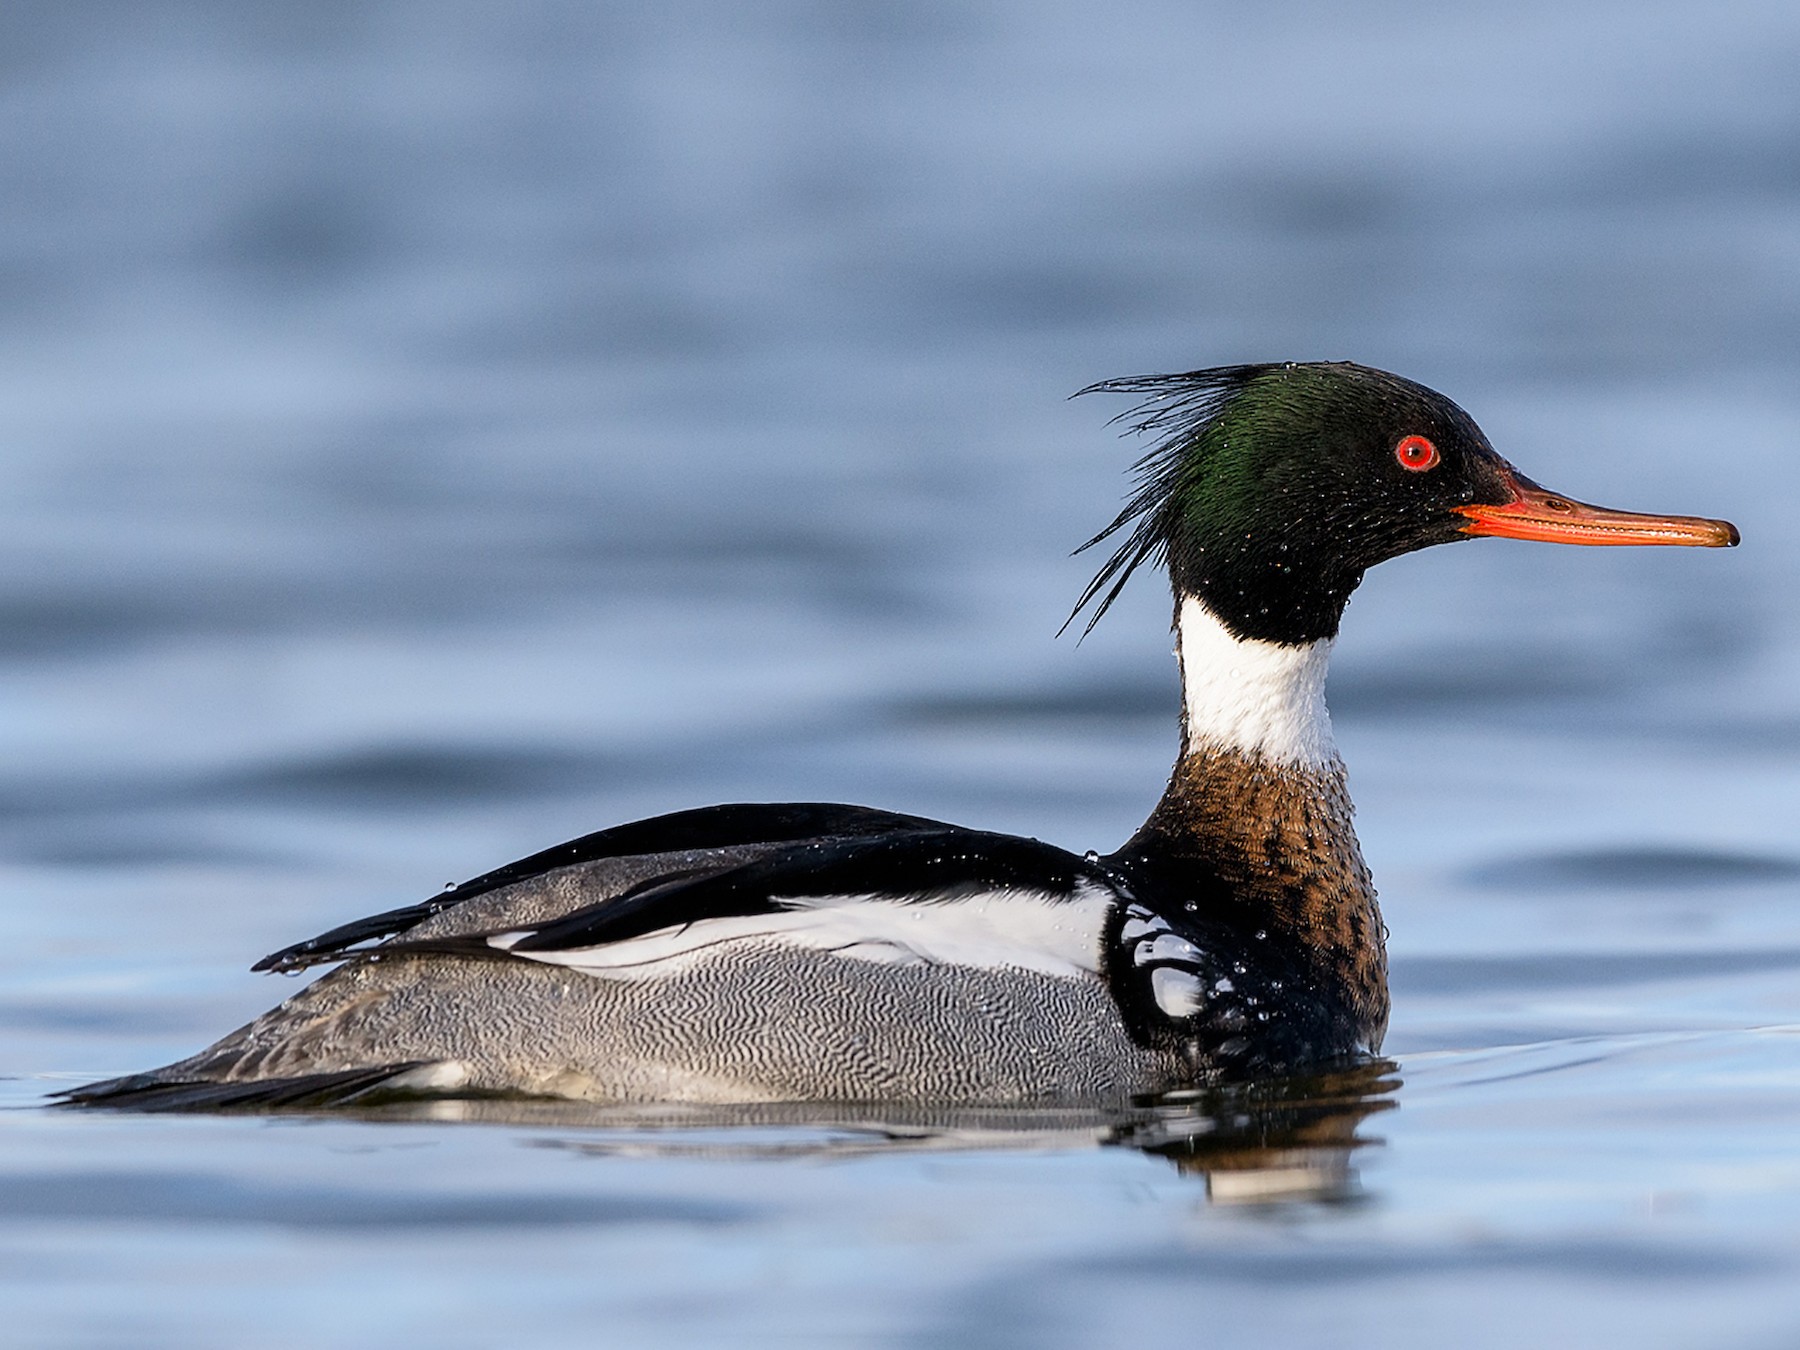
x,y
1274,488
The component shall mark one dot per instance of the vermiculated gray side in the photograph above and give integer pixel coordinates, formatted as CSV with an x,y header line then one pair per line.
x,y
757,1021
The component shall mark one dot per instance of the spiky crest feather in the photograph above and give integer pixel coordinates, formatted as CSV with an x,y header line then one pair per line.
x,y
1183,408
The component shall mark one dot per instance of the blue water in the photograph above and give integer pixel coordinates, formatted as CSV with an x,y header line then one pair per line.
x,y
434,430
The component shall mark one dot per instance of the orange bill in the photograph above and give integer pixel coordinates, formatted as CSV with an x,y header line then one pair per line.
x,y
1535,513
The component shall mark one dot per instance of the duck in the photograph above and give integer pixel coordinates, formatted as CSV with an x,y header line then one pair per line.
x,y
821,952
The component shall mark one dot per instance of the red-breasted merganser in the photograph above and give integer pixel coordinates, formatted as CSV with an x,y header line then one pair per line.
x,y
812,952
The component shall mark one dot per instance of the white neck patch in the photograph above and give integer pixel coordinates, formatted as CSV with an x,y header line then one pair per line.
x,y
1257,698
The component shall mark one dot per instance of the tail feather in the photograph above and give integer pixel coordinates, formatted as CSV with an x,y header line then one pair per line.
x,y
151,1092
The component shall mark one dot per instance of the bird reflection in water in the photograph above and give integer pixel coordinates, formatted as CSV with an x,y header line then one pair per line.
x,y
1264,1141
1270,1140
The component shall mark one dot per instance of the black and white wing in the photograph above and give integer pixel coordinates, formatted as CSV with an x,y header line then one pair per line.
x,y
935,896
707,838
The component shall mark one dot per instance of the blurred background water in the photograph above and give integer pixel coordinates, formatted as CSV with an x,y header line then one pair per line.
x,y
434,430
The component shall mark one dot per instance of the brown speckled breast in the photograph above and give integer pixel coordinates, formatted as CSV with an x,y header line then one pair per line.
x,y
1266,848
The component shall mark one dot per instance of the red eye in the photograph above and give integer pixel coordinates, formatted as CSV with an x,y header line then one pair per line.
x,y
1416,453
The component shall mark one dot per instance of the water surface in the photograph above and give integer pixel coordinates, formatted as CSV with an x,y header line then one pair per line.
x,y
438,430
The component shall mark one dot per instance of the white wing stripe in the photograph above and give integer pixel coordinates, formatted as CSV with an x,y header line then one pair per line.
x,y
1029,930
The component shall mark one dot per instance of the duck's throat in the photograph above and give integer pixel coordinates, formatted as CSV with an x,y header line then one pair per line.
x,y
1264,701
1254,831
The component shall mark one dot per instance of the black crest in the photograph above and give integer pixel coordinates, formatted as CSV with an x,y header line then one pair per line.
x,y
1178,409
